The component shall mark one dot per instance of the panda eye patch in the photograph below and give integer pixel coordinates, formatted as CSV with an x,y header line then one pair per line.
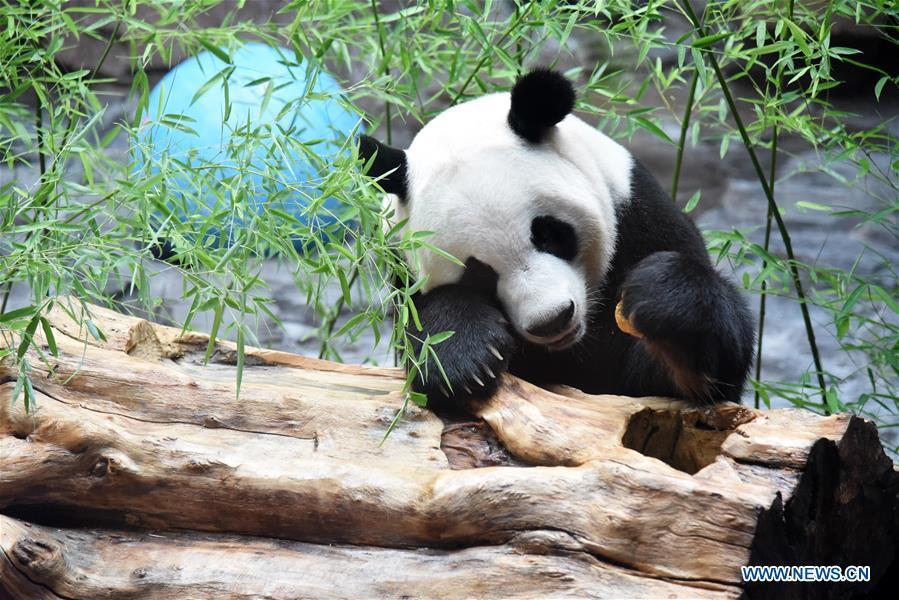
x,y
550,235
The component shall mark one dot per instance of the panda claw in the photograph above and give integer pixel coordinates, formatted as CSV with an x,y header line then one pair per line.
x,y
478,379
494,351
490,372
445,391
467,389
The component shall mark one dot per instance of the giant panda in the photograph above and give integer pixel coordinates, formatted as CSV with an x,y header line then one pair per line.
x,y
556,225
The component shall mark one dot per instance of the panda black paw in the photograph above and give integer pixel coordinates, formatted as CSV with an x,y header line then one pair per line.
x,y
473,358
664,295
693,321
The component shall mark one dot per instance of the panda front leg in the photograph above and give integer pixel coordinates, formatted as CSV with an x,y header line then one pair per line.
x,y
477,353
692,321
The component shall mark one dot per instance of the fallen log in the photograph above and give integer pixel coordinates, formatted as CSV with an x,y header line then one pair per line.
x,y
96,563
142,473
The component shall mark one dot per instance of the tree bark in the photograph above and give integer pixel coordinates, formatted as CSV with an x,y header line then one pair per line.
x,y
141,474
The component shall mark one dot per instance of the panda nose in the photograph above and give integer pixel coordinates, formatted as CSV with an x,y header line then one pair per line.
x,y
554,325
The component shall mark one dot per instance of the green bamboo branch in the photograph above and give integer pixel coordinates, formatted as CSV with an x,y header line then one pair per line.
x,y
487,56
772,175
387,108
763,296
772,204
519,47
684,126
70,129
338,306
39,131
332,321
42,167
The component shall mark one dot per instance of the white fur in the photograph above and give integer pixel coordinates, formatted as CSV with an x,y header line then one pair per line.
x,y
477,186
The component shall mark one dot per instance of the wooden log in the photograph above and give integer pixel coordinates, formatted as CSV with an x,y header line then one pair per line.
x,y
96,563
592,495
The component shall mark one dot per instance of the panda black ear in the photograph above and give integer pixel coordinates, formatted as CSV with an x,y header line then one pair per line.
x,y
540,99
387,159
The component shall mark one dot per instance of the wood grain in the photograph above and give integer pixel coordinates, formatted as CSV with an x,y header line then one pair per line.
x,y
545,493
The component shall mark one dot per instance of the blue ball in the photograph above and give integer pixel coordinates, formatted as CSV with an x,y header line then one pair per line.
x,y
286,104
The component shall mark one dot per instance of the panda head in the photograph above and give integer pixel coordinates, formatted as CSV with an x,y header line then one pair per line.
x,y
515,182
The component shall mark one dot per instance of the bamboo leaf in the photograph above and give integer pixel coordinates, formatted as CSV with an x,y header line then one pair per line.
x,y
240,359
708,40
878,87
215,50
51,339
814,206
95,332
654,129
213,333
440,337
27,336
693,201
16,314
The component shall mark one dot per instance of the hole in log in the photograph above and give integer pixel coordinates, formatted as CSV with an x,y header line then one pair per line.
x,y
100,468
228,357
472,444
687,440
61,516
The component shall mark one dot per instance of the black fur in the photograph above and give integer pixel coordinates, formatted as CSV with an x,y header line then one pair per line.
x,y
386,159
694,320
549,234
540,99
698,330
481,346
